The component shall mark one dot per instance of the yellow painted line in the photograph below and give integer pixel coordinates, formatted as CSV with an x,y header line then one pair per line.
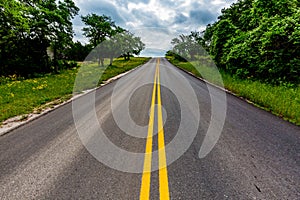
x,y
163,172
162,161
146,178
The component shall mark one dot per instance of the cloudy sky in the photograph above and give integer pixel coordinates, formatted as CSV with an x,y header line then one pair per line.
x,y
157,22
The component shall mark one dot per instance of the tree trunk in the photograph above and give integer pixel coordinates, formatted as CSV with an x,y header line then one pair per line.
x,y
55,58
102,62
193,57
128,56
99,60
111,61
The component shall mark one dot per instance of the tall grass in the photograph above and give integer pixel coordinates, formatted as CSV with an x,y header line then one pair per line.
x,y
282,100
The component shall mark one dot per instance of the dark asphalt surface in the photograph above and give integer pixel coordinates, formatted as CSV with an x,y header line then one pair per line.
x,y
256,157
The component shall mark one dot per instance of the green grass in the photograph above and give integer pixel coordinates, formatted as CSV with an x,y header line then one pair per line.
x,y
281,100
22,96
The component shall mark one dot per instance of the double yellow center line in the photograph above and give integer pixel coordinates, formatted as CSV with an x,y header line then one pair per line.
x,y
163,173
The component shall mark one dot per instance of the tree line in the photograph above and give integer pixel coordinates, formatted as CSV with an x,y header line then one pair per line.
x,y
37,37
254,39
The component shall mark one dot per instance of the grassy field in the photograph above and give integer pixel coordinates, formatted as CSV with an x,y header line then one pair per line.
x,y
22,96
283,101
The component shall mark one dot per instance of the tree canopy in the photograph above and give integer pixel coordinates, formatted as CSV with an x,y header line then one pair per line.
x,y
110,40
252,39
99,28
258,39
28,28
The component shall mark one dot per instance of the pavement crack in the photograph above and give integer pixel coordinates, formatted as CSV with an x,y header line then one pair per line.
x,y
257,188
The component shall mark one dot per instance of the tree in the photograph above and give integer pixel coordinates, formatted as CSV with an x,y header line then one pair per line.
x,y
62,28
28,28
131,45
114,40
98,29
77,51
123,44
223,32
14,27
258,39
188,46
51,23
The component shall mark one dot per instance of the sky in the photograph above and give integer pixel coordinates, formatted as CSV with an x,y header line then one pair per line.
x,y
157,22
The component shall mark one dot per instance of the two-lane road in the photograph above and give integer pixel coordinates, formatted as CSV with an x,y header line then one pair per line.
x,y
256,157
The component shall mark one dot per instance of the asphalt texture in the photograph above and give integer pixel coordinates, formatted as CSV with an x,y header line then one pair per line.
x,y
257,155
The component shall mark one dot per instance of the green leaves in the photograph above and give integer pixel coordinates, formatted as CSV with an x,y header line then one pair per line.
x,y
28,28
258,39
188,46
98,28
109,40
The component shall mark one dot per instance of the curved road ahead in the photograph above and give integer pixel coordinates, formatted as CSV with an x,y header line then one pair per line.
x,y
256,157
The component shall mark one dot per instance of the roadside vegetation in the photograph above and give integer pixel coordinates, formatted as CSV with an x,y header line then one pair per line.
x,y
282,100
19,96
36,37
255,45
39,57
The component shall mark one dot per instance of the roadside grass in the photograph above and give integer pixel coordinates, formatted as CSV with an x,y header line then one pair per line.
x,y
283,101
89,75
20,96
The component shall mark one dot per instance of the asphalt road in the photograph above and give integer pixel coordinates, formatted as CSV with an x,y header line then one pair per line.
x,y
256,157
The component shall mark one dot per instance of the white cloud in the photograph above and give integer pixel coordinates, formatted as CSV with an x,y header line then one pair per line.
x,y
157,22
